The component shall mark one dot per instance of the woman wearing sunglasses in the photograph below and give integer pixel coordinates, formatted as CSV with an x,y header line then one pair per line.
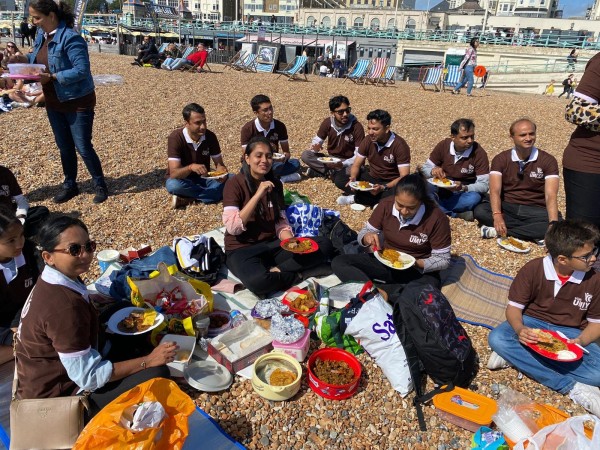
x,y
57,339
10,51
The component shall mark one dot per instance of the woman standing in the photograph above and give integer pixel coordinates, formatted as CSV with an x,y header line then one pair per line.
x,y
255,225
69,93
468,65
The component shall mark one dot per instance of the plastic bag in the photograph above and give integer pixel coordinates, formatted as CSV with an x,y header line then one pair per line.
x,y
290,197
305,219
567,435
105,430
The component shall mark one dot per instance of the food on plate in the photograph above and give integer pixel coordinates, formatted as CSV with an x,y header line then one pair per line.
x,y
444,181
296,245
182,355
327,159
566,354
549,343
363,184
304,302
282,377
514,242
217,173
393,257
333,372
137,320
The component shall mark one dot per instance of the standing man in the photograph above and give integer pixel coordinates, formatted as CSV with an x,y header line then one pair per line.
x,y
344,134
523,189
276,132
190,150
389,161
462,160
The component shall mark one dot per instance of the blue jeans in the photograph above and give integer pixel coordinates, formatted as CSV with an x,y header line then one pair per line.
x,y
467,79
198,188
179,63
459,202
289,167
73,133
559,376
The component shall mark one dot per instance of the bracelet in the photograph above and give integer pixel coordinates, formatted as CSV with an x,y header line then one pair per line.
x,y
497,212
143,365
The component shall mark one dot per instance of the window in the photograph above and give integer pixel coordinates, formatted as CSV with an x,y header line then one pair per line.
x,y
388,53
361,52
326,22
379,51
341,23
358,22
370,52
375,24
196,5
391,24
411,24
310,21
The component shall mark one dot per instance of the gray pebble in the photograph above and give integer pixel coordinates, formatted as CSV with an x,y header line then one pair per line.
x,y
264,441
264,430
333,434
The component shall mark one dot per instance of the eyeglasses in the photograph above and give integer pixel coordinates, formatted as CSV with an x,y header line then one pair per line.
x,y
521,172
10,46
77,250
341,112
587,258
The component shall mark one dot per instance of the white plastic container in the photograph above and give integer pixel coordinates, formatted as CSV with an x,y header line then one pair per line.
x,y
26,69
186,345
298,350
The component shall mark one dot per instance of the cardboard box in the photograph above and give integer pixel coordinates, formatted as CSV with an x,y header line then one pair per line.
x,y
239,347
131,253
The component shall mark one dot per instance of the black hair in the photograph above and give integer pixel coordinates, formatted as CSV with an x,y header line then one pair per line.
x,y
566,237
274,195
518,121
8,217
472,41
190,108
465,124
381,116
15,46
415,184
258,100
572,52
61,9
49,235
337,101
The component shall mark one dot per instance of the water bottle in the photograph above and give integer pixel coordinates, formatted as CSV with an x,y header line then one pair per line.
x,y
237,318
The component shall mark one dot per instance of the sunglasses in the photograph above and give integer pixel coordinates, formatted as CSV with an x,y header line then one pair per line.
x,y
341,112
10,46
587,258
77,250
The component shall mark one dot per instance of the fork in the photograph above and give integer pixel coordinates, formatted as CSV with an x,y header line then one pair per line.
x,y
562,335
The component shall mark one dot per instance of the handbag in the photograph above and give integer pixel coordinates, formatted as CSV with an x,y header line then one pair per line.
x,y
45,423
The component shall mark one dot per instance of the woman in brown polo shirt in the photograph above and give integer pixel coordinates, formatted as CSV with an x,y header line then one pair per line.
x,y
408,222
255,224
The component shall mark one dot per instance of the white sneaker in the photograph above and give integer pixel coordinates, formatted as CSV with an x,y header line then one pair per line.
x,y
586,396
345,200
291,178
488,232
497,362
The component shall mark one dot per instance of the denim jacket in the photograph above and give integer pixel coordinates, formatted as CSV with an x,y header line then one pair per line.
x,y
68,58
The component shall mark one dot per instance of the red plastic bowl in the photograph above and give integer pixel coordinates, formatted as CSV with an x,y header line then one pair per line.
x,y
334,391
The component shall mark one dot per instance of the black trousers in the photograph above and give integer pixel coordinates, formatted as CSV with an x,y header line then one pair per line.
x,y
252,265
365,197
522,221
582,192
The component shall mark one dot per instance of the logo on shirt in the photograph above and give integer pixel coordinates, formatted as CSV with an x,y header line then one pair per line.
x,y
205,152
538,174
274,137
419,240
5,190
28,282
349,138
583,304
389,158
469,169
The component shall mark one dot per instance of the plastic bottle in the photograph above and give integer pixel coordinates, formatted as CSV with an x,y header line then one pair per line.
x,y
237,318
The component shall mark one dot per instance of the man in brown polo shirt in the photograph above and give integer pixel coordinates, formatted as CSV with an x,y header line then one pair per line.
x,y
389,160
523,189
560,292
276,132
190,150
461,159
343,133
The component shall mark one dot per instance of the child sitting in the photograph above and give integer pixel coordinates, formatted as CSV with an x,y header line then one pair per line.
x,y
549,88
560,292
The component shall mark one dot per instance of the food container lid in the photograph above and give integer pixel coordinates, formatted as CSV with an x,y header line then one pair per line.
x,y
208,376
467,405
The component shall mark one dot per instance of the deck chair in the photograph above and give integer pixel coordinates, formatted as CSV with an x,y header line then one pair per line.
x,y
453,77
432,78
187,52
235,58
196,69
162,48
388,77
358,70
292,71
251,63
376,71
242,63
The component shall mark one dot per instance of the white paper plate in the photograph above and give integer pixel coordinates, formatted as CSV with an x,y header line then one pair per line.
x,y
512,248
329,159
278,156
114,320
408,261
354,185
208,376
441,185
357,207
216,177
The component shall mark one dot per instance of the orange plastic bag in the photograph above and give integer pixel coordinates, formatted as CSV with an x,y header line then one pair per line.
x,y
105,431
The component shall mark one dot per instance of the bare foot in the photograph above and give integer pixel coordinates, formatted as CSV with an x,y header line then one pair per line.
x,y
274,269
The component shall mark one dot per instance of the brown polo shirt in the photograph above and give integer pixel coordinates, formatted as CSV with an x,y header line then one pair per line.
x,y
431,231
537,291
473,163
583,151
260,227
384,161
341,144
530,189
9,187
276,133
181,148
55,319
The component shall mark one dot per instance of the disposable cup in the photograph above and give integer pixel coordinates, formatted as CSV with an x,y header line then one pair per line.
x,y
106,257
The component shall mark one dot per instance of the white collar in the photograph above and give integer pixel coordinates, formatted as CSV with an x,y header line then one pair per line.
x,y
532,156
551,275
189,140
414,221
19,261
387,144
52,276
261,129
464,154
340,130
52,33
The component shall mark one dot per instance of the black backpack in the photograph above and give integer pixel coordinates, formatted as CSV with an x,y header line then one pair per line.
x,y
434,341
566,82
209,254
341,235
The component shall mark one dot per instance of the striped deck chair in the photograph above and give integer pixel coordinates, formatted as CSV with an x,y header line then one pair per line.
x,y
432,78
453,77
388,77
265,68
244,62
162,48
187,52
358,70
251,63
235,58
293,69
196,69
376,71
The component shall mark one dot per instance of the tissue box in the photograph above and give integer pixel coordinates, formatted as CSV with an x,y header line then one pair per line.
x,y
297,350
131,253
239,347
186,344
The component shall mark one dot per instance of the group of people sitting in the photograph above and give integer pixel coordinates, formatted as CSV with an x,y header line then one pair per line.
x,y
171,58
17,93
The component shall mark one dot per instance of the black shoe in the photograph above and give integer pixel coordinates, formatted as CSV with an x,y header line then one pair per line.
x,y
101,194
136,63
65,195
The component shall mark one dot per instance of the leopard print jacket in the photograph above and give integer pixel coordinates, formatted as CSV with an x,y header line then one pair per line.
x,y
583,113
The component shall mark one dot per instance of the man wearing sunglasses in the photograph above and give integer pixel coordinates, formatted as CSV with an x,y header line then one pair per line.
x,y
343,134
523,189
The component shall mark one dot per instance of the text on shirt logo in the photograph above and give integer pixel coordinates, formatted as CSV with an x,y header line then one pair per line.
x,y
539,173
389,158
28,282
421,239
469,169
583,305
